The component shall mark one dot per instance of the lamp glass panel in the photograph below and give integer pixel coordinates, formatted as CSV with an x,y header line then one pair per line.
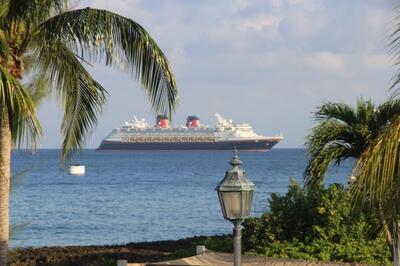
x,y
233,204
221,202
248,200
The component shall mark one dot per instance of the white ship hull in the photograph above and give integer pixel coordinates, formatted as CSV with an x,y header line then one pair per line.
x,y
250,145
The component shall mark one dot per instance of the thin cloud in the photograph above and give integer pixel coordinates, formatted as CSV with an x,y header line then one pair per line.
x,y
261,23
377,62
326,61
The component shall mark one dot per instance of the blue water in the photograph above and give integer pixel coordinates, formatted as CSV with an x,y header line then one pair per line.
x,y
138,196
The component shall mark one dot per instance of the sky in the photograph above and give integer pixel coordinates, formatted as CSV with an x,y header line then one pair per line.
x,y
269,63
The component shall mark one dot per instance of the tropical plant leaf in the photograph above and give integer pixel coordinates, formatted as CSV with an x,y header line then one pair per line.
x,y
32,12
394,50
97,35
339,111
83,98
4,48
345,132
329,142
4,6
386,113
24,125
378,179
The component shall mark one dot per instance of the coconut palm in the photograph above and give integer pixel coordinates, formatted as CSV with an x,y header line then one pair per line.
x,y
44,50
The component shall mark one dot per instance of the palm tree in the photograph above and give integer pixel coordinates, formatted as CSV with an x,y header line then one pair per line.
x,y
378,180
44,49
344,132
378,177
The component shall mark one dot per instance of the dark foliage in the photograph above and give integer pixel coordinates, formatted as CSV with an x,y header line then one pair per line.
x,y
108,255
316,224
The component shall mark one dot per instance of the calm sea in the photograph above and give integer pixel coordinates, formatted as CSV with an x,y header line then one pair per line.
x,y
138,196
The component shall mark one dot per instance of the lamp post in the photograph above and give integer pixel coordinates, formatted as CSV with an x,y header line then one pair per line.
x,y
235,193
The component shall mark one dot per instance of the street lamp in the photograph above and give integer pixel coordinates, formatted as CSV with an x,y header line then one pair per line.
x,y
235,193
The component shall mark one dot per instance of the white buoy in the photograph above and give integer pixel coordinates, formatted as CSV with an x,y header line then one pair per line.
x,y
76,169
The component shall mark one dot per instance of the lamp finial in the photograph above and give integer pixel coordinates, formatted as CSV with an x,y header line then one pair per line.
x,y
235,162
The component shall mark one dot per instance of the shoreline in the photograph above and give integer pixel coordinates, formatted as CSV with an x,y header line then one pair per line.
x,y
100,255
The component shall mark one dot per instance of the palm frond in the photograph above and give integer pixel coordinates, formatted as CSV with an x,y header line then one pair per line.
x,y
37,82
378,180
318,166
97,35
4,6
394,50
339,111
24,125
330,131
83,103
329,142
365,111
83,98
344,132
39,87
387,113
4,48
33,11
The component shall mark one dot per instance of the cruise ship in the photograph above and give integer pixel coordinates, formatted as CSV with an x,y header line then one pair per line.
x,y
139,135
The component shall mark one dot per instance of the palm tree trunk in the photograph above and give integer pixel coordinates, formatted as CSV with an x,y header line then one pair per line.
x,y
5,154
396,244
386,229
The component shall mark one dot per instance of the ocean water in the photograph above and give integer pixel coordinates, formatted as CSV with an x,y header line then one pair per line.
x,y
138,196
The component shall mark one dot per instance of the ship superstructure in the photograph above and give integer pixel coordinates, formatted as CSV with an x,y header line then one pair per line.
x,y
139,135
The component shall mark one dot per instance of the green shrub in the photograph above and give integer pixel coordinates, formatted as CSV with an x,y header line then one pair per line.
x,y
318,224
219,243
